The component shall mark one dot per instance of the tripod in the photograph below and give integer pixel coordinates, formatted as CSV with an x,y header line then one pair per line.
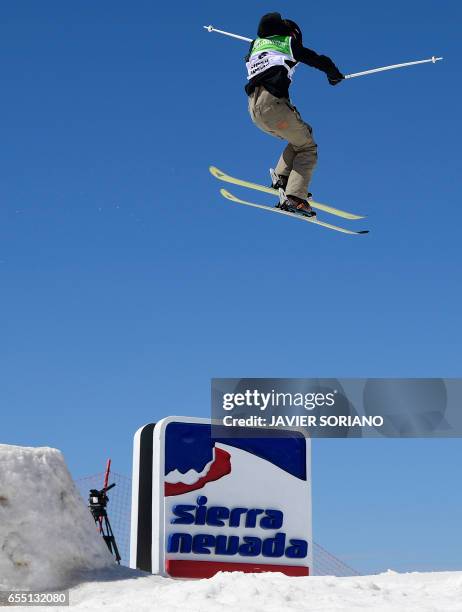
x,y
97,503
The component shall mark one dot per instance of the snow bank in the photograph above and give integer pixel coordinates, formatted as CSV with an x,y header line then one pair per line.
x,y
46,532
119,590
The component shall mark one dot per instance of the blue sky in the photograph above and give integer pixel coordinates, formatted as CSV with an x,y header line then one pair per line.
x,y
126,282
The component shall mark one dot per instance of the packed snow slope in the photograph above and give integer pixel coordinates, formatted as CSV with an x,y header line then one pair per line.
x,y
124,590
46,532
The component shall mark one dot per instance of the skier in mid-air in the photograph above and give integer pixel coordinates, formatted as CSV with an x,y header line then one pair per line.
x,y
271,61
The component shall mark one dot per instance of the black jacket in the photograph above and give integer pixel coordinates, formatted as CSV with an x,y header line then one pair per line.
x,y
275,79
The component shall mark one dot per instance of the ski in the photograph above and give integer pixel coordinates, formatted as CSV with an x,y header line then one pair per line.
x,y
229,196
222,176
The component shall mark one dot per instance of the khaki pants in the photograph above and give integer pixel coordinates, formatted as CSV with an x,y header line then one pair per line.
x,y
277,116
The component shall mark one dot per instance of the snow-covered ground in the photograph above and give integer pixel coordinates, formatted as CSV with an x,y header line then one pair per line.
x,y
46,532
123,589
48,540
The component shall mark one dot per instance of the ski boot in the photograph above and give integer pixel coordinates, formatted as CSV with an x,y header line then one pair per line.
x,y
290,203
278,181
295,205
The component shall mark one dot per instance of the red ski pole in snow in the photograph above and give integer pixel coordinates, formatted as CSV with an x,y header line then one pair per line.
x,y
106,481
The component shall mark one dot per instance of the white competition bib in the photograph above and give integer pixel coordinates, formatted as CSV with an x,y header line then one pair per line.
x,y
269,52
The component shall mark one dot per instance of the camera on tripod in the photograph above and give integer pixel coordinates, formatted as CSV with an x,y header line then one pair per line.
x,y
98,500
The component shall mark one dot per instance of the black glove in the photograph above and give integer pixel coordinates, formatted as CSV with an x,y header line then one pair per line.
x,y
335,78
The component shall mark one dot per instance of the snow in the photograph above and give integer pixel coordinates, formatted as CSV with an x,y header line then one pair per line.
x,y
48,540
46,532
121,589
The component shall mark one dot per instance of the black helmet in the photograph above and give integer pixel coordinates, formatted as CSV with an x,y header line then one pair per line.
x,y
294,30
271,24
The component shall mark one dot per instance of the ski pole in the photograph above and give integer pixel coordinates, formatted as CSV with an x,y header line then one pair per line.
x,y
210,28
392,67
433,59
106,480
